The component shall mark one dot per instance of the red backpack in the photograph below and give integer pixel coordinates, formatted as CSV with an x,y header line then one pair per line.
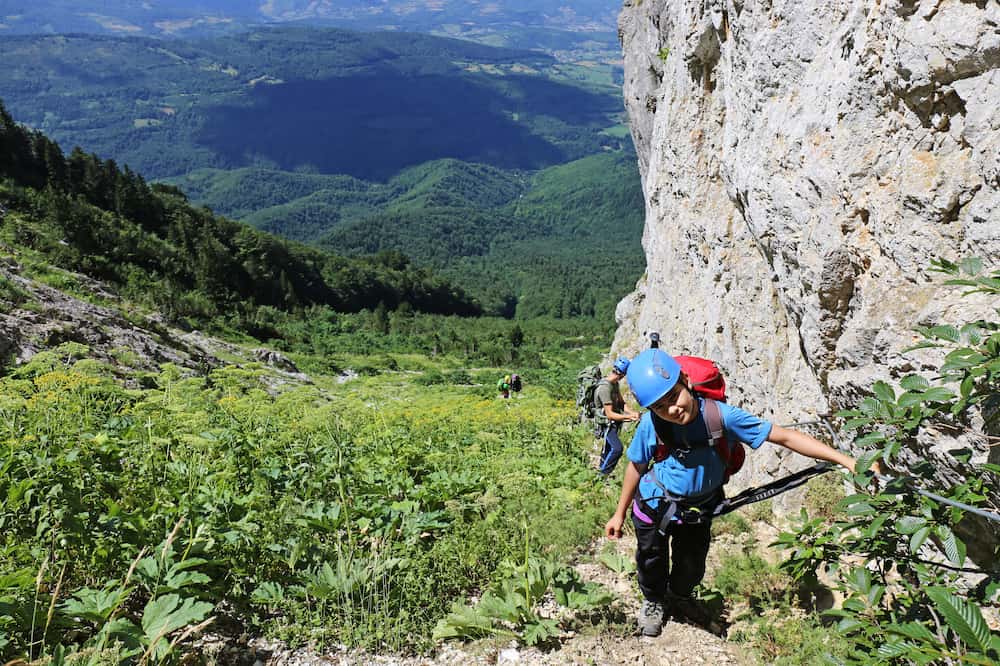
x,y
707,381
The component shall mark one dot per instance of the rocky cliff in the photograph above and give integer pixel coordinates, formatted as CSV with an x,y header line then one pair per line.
x,y
802,161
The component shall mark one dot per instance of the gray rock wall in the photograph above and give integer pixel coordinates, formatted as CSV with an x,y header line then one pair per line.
x,y
802,161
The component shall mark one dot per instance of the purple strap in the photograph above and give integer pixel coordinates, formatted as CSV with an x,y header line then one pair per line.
x,y
637,512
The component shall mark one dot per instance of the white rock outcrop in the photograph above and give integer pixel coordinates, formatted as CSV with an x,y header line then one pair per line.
x,y
802,161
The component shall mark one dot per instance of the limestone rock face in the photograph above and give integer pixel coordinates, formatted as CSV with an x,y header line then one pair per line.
x,y
802,162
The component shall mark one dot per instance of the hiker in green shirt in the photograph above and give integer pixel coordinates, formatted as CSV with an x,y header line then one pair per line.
x,y
612,412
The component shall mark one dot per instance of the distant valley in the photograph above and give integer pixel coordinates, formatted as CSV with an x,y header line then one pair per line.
x,y
505,169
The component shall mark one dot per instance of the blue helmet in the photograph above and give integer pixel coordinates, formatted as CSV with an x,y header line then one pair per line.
x,y
621,365
652,375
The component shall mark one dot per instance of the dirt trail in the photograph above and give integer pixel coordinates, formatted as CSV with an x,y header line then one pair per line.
x,y
679,644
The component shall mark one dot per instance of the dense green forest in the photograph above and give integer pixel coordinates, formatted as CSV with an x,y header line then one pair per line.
x,y
569,243
88,215
564,241
326,101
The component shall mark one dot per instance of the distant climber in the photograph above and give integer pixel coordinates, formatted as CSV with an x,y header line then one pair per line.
x,y
515,383
503,386
610,413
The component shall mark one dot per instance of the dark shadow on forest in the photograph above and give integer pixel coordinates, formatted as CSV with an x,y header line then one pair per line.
x,y
371,126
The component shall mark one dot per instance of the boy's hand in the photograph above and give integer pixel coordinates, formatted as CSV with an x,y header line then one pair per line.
x,y
613,528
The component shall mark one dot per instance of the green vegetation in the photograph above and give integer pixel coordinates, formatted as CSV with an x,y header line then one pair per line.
x,y
565,243
903,603
508,172
129,514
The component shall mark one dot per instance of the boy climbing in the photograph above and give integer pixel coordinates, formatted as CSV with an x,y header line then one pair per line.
x,y
611,413
675,476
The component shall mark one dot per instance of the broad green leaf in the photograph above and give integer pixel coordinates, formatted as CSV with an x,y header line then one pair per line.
x,y
912,630
121,630
854,424
954,548
540,630
168,613
896,648
860,509
971,266
910,524
869,439
268,593
861,579
914,383
964,618
938,394
918,538
96,605
463,622
884,392
849,625
949,333
911,398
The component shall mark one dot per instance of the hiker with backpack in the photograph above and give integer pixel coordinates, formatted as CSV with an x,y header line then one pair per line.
x,y
681,455
610,413
503,386
515,383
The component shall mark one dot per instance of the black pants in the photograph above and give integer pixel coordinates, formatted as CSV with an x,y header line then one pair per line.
x,y
655,566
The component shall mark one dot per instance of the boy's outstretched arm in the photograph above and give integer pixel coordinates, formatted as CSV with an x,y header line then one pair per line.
x,y
811,447
634,471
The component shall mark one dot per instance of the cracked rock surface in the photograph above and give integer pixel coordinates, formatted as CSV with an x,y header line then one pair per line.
x,y
802,162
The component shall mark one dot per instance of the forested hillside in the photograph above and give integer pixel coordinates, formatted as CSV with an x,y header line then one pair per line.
x,y
499,168
564,241
86,214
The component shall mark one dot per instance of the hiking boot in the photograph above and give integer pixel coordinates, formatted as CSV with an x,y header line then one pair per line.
x,y
651,618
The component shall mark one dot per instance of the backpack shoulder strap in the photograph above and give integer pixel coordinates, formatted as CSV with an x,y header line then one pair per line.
x,y
713,420
717,433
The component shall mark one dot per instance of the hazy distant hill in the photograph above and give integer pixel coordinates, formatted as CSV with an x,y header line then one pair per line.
x,y
326,101
188,17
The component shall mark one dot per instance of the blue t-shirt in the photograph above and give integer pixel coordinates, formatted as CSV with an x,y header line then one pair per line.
x,y
696,470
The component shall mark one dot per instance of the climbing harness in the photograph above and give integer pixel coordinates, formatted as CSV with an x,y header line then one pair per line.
x,y
705,511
